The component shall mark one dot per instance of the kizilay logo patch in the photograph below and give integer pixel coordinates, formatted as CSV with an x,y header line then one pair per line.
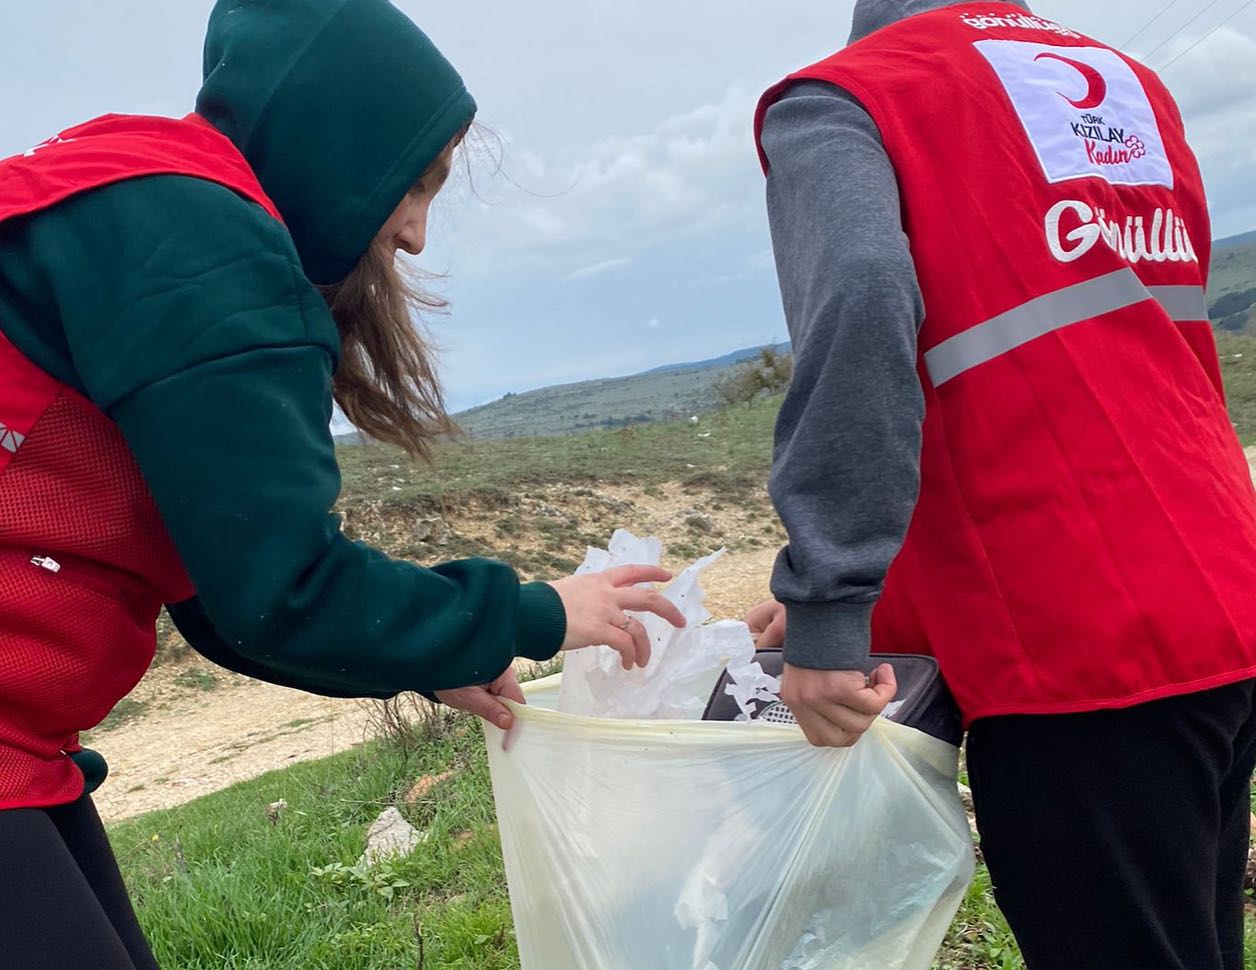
x,y
1084,110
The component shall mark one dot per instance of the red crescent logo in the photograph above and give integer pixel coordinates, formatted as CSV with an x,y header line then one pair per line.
x,y
1096,93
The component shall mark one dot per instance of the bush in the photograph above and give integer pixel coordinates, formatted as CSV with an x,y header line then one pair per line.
x,y
765,375
1233,304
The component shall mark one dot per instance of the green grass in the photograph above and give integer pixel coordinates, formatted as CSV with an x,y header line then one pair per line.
x,y
218,885
197,678
125,710
1238,368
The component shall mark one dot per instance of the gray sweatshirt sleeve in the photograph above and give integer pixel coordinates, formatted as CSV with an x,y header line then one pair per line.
x,y
846,470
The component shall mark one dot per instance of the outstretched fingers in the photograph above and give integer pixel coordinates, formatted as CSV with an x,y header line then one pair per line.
x,y
648,601
633,575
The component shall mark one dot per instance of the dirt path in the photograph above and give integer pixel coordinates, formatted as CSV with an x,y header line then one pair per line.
x,y
197,729
199,741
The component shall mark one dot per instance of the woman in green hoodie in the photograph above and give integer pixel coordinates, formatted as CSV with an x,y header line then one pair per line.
x,y
180,304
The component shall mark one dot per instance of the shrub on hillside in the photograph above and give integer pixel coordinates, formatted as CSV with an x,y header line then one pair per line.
x,y
765,375
1233,304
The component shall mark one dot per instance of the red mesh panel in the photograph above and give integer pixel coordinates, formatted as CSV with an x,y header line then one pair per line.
x,y
68,653
75,641
74,488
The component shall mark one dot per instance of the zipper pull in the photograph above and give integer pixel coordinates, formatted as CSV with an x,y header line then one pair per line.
x,y
46,562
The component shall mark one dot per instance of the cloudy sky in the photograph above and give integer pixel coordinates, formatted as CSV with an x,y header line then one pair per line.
x,y
627,229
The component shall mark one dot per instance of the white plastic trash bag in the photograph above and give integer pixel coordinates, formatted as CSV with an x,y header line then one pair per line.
x,y
691,845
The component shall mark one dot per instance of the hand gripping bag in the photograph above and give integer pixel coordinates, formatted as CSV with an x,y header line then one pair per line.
x,y
697,845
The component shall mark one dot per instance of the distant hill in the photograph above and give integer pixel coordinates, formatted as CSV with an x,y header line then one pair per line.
x,y
665,393
1233,269
1232,285
1231,241
736,357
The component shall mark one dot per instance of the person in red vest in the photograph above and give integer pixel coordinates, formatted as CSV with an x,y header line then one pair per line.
x,y
1006,445
180,303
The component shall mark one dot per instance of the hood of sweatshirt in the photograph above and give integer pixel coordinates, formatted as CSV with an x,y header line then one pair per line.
x,y
339,107
872,15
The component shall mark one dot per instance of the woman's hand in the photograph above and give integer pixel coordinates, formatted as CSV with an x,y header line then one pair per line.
x,y
597,606
483,701
767,624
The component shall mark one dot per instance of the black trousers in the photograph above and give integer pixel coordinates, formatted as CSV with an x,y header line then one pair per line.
x,y
63,905
1118,840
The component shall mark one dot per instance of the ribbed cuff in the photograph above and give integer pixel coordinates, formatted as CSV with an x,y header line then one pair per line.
x,y
828,636
541,624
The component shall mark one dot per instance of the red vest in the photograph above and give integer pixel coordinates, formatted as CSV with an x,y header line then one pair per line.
x,y
85,561
1085,536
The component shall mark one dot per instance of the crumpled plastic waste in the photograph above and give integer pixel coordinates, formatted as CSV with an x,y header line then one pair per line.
x,y
685,665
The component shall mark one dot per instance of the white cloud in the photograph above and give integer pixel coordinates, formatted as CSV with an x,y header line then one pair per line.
x,y
693,174
597,269
1215,76
1215,85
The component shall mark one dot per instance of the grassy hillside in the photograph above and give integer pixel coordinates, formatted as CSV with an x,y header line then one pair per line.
x,y
732,445
1233,268
665,393
1232,288
1238,368
1231,241
610,403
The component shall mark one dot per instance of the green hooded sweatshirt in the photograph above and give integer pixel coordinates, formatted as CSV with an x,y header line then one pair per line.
x,y
188,315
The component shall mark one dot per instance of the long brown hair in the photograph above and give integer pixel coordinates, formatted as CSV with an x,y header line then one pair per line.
x,y
386,383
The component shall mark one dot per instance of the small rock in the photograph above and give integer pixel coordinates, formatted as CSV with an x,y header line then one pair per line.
x,y
700,523
389,837
433,529
966,797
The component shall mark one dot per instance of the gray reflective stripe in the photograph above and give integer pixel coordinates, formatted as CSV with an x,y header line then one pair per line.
x,y
1031,320
1073,304
1182,303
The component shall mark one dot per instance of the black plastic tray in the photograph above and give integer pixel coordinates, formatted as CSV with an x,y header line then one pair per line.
x,y
925,704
